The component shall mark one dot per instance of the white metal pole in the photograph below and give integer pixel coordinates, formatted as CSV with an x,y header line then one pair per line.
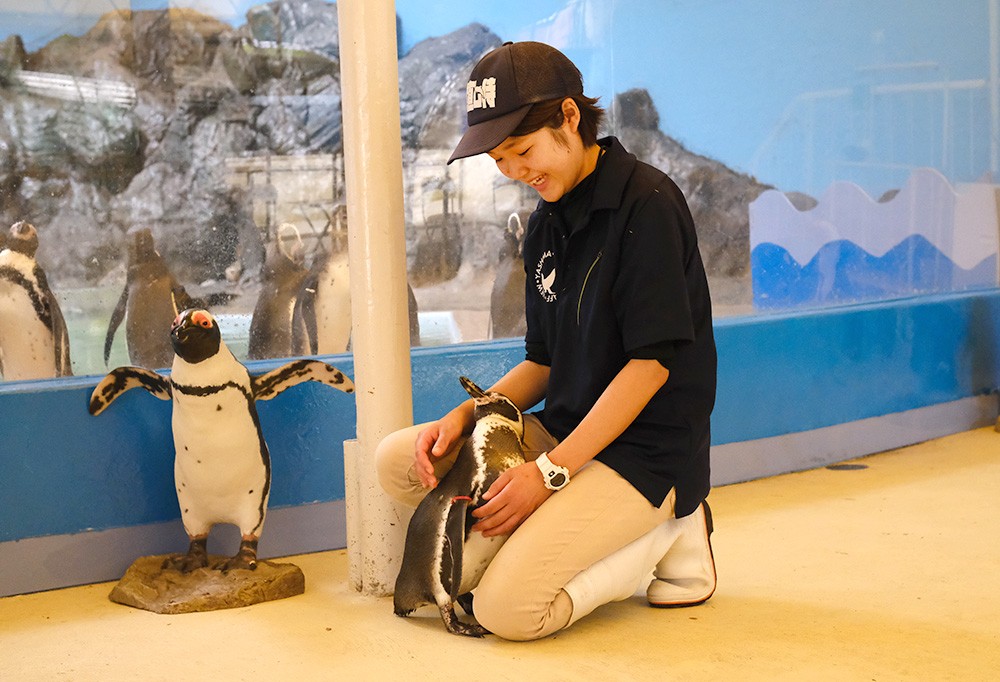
x,y
373,169
994,89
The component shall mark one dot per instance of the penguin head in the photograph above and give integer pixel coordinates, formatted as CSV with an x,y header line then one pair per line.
x,y
493,403
141,248
513,238
195,335
23,238
277,262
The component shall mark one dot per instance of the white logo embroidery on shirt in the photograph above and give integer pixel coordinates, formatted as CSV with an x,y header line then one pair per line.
x,y
481,96
545,281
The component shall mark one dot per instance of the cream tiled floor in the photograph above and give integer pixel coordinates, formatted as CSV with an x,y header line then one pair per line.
x,y
888,572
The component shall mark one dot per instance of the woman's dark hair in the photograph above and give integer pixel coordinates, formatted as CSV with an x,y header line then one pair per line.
x,y
549,114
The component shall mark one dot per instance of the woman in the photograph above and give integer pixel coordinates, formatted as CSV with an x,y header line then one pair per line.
x,y
619,344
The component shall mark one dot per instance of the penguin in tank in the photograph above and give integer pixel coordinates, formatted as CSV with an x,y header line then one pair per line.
x,y
507,295
34,342
442,560
150,300
222,468
275,330
323,308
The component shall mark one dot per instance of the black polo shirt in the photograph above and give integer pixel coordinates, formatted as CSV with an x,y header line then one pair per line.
x,y
614,273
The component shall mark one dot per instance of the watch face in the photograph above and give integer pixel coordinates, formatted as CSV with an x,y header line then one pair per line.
x,y
558,480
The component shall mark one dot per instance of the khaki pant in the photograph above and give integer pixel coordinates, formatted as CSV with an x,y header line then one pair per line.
x,y
521,595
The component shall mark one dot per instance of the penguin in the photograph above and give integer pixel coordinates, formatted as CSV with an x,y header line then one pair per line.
x,y
442,560
150,299
507,296
34,341
273,327
222,469
324,308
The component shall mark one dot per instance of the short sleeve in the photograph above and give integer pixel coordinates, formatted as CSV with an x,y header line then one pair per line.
x,y
650,292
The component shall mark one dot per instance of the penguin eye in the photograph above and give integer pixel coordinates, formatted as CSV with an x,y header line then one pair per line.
x,y
202,320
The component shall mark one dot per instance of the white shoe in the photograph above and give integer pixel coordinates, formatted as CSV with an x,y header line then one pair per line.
x,y
619,575
685,576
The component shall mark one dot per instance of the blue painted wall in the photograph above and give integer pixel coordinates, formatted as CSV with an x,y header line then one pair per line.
x,y
66,472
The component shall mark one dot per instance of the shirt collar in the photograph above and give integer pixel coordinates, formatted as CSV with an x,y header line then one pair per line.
x,y
615,169
602,189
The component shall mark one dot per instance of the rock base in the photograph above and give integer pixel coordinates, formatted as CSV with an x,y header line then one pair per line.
x,y
146,585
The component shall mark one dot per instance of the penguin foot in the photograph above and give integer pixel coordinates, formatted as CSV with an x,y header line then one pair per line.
x,y
196,557
457,627
246,558
465,601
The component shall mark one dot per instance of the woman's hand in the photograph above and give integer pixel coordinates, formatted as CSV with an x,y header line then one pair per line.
x,y
512,498
434,442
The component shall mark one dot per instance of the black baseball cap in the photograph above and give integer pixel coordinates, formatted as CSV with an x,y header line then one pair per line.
x,y
504,85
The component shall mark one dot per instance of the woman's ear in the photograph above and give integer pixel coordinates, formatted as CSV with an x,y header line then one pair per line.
x,y
571,115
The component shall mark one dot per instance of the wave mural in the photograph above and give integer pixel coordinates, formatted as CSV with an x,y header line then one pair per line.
x,y
927,238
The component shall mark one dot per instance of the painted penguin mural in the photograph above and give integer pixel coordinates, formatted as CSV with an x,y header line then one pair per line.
x,y
442,560
222,469
34,342
151,298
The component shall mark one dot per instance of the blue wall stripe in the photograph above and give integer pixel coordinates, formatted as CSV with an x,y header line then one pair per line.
x,y
67,472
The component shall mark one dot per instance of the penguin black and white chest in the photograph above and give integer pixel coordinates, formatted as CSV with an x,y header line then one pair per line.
x,y
222,468
442,560
34,342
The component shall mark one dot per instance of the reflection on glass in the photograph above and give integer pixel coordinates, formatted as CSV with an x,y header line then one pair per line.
x,y
166,149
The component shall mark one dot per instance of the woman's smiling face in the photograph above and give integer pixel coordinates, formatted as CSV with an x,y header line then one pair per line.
x,y
551,161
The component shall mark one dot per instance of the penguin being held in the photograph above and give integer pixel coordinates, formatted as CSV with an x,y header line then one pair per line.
x,y
222,469
150,300
442,560
34,342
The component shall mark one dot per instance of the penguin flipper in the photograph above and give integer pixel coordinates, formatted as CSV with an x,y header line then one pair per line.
x,y
305,313
451,569
60,334
183,299
122,379
274,382
117,315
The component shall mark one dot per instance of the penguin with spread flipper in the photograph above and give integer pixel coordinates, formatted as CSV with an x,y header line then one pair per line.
x,y
442,560
34,341
222,468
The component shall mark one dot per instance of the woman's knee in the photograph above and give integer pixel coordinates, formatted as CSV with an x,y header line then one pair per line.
x,y
511,612
393,461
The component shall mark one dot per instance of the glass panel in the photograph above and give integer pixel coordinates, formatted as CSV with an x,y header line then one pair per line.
x,y
830,154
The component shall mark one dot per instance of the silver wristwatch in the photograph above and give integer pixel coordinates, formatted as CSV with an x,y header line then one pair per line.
x,y
554,476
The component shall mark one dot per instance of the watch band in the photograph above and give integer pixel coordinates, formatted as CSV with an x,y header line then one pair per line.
x,y
554,477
